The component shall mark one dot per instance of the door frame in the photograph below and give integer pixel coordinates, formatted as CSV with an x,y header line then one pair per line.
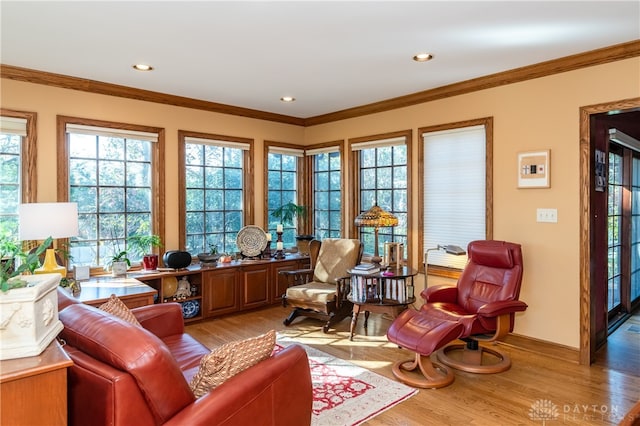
x,y
587,285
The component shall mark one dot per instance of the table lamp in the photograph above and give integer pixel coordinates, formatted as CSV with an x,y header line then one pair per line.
x,y
38,221
376,218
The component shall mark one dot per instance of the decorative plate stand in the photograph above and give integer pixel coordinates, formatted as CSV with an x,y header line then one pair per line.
x,y
251,241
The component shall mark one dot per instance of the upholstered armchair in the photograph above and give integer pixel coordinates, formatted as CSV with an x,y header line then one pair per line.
x,y
480,308
321,291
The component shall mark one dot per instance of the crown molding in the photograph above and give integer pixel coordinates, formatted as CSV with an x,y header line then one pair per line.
x,y
529,72
569,63
109,89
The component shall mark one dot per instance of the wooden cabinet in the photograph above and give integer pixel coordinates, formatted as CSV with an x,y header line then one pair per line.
x,y
228,288
254,285
221,295
278,282
34,389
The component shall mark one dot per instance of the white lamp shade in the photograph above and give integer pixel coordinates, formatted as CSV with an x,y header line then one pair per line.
x,y
38,221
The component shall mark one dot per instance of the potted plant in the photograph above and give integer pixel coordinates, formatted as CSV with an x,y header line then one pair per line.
x,y
10,273
119,263
287,213
143,245
212,256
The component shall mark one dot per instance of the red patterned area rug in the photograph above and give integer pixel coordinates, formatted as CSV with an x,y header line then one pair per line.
x,y
346,394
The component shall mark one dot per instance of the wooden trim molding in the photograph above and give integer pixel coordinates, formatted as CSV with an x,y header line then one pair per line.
x,y
542,69
569,63
587,286
541,347
487,122
109,89
28,156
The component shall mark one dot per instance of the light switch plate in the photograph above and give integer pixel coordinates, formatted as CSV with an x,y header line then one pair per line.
x,y
547,215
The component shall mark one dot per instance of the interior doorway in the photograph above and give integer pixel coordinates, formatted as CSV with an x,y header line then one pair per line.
x,y
595,222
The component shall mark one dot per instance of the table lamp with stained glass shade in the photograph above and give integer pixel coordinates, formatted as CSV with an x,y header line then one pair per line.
x,y
38,221
376,218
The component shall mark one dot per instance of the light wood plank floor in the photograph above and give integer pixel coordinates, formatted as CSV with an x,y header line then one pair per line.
x,y
594,395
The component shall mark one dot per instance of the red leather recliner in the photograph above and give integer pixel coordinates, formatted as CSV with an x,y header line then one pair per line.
x,y
124,375
481,307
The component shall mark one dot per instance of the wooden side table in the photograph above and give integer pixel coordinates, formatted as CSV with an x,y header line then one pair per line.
x,y
383,292
33,390
132,292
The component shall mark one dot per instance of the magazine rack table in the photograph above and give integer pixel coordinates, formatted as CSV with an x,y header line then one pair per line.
x,y
385,292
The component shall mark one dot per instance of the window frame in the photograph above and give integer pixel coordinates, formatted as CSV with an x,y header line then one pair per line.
x,y
302,190
310,166
157,168
355,179
248,179
487,122
28,154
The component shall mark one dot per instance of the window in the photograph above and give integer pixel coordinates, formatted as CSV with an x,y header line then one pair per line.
x,y
456,183
283,172
17,166
215,188
327,191
382,165
112,172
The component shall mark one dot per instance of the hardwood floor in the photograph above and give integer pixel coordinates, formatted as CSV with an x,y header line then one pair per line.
x,y
594,395
622,348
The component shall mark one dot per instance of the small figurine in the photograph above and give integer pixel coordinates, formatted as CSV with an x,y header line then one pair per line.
x,y
184,289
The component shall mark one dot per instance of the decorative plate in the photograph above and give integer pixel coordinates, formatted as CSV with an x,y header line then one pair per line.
x,y
251,240
169,286
190,308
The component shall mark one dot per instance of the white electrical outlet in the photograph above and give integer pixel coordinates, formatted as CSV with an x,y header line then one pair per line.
x,y
547,215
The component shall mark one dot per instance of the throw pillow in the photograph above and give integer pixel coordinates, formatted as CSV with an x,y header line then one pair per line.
x,y
116,307
230,359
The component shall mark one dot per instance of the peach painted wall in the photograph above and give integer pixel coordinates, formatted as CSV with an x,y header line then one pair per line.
x,y
532,115
49,102
537,114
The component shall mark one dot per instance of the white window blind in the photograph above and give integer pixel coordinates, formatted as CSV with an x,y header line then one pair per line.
x,y
13,126
454,191
325,150
286,151
111,132
378,143
215,142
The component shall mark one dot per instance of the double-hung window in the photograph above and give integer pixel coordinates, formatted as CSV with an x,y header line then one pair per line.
x,y
382,167
215,185
456,187
17,167
326,176
113,171
284,164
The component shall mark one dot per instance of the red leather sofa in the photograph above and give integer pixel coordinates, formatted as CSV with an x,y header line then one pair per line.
x,y
126,375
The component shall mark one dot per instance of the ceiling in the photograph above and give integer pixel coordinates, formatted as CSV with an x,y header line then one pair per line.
x,y
330,55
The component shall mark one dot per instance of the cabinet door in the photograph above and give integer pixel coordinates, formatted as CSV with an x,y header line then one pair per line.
x,y
279,282
255,285
220,292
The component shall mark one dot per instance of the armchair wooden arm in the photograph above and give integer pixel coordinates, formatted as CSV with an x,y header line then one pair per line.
x,y
297,277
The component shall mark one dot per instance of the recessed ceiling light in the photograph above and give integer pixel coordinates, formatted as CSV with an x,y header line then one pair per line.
x,y
287,99
423,57
142,67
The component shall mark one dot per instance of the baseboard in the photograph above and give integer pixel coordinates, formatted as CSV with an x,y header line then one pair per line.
x,y
542,347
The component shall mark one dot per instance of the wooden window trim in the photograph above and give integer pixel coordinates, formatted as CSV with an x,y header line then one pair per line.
x,y
248,174
28,154
157,158
355,179
487,122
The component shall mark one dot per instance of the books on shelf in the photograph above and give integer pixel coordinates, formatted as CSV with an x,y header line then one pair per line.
x,y
365,269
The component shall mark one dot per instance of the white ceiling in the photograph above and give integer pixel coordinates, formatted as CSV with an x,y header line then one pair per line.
x,y
329,55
